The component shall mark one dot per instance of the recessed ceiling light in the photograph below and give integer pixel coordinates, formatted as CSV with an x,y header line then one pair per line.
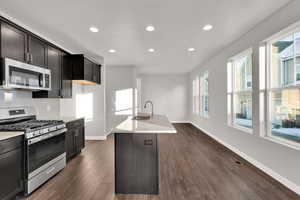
x,y
191,49
151,50
207,27
150,28
112,51
94,29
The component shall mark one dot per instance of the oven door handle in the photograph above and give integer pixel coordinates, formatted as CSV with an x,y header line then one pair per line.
x,y
46,136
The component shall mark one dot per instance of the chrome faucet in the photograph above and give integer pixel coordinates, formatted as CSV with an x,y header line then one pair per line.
x,y
149,102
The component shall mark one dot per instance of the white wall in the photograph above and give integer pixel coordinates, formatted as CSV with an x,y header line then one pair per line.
x,y
95,128
168,94
283,161
117,78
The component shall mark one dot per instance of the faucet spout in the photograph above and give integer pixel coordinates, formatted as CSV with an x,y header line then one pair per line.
x,y
149,102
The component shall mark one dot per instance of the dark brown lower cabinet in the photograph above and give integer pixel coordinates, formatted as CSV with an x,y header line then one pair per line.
x,y
136,164
75,138
11,167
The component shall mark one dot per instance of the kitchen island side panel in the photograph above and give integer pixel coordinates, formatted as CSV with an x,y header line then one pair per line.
x,y
136,164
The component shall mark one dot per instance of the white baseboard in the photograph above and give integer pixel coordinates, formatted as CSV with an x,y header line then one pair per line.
x,y
289,184
180,122
95,137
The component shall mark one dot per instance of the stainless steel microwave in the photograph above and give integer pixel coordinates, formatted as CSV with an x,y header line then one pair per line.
x,y
19,75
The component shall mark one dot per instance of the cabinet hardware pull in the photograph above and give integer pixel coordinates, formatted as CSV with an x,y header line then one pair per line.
x,y
148,142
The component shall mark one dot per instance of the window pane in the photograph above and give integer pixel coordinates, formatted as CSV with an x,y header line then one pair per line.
x,y
297,55
285,114
243,109
204,95
297,44
84,106
282,62
298,69
243,73
124,102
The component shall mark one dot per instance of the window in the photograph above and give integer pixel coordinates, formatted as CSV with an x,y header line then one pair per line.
x,y
84,106
138,97
124,102
283,91
196,96
239,91
204,95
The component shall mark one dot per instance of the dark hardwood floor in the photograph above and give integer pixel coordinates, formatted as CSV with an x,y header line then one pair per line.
x,y
192,167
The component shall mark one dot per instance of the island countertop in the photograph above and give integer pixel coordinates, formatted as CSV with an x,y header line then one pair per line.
x,y
157,124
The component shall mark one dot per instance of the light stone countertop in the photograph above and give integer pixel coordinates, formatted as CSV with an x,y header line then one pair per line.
x,y
157,124
65,119
7,135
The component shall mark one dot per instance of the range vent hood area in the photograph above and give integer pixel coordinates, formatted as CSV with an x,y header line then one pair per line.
x,y
84,71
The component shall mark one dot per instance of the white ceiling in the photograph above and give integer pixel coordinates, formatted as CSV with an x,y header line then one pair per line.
x,y
122,25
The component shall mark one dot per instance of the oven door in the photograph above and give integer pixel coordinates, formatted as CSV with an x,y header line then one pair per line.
x,y
43,149
26,76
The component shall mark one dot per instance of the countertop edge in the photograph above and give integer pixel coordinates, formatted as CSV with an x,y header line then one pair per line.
x,y
8,135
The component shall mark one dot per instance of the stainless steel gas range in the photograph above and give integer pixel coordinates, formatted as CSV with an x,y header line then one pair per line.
x,y
44,145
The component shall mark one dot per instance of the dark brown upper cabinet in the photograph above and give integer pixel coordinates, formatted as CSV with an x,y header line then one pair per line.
x,y
84,70
37,52
97,73
66,73
13,42
54,63
19,45
61,75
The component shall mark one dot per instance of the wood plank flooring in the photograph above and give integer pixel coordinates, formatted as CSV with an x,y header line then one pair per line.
x,y
192,167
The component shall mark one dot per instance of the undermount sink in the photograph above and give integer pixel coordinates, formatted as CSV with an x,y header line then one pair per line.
x,y
141,116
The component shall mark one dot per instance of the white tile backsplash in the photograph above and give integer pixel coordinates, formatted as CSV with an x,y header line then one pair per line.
x,y
15,98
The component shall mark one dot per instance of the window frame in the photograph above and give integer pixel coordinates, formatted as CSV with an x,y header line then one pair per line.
x,y
231,89
196,95
266,88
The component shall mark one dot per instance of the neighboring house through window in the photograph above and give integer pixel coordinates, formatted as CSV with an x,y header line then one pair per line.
x,y
282,72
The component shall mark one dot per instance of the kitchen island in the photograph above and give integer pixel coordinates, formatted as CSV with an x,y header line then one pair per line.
x,y
137,154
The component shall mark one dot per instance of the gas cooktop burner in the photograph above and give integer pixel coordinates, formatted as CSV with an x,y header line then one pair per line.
x,y
30,125
24,119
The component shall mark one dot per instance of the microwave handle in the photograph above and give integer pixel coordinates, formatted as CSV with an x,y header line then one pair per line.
x,y
41,80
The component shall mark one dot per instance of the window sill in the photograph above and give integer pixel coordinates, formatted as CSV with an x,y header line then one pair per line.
x,y
204,117
283,142
243,129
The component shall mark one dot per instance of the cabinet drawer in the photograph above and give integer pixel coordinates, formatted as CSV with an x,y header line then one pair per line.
x,y
10,144
74,124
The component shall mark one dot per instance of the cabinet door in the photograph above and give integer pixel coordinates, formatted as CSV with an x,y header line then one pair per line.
x,y
54,64
125,167
13,42
11,174
88,70
70,144
97,74
146,163
66,70
79,139
37,50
